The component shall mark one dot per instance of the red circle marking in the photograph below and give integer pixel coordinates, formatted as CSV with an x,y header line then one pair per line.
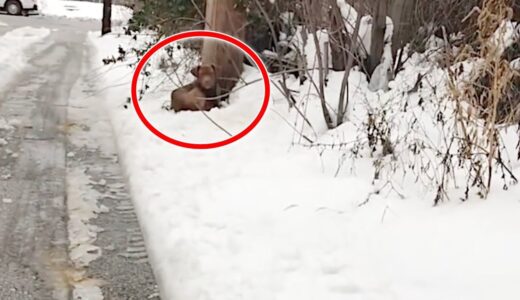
x,y
209,34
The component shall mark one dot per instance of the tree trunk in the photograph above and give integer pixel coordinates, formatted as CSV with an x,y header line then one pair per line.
x,y
378,35
222,16
338,38
311,7
106,25
401,13
319,12
343,102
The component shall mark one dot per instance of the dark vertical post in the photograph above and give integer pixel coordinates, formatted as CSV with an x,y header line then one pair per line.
x,y
378,35
106,25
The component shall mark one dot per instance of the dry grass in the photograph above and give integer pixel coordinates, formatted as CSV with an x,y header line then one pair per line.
x,y
479,99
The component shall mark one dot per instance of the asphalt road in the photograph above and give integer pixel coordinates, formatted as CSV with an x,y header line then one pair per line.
x,y
45,148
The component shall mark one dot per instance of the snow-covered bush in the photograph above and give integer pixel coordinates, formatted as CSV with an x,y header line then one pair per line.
x,y
457,126
479,99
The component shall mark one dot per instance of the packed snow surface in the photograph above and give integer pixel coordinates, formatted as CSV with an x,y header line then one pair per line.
x,y
13,44
83,10
268,218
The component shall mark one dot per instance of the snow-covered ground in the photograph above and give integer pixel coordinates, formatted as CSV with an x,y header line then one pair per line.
x,y
83,10
12,47
265,218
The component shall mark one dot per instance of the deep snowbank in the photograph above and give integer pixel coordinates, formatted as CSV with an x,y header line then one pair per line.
x,y
264,219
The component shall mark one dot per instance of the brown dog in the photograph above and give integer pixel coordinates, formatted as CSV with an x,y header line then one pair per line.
x,y
194,96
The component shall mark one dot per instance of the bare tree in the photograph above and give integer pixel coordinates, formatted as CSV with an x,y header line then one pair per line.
x,y
315,19
338,37
106,25
378,35
343,95
401,13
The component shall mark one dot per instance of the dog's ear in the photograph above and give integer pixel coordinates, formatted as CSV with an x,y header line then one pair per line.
x,y
195,71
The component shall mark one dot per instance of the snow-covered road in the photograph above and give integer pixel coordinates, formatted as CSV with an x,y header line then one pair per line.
x,y
67,227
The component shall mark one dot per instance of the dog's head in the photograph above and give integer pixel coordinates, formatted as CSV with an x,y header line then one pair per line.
x,y
206,76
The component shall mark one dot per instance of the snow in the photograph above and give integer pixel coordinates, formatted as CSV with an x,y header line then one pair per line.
x,y
350,15
515,64
7,200
82,204
5,125
13,44
383,72
83,10
268,218
231,118
83,199
505,36
5,177
88,289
